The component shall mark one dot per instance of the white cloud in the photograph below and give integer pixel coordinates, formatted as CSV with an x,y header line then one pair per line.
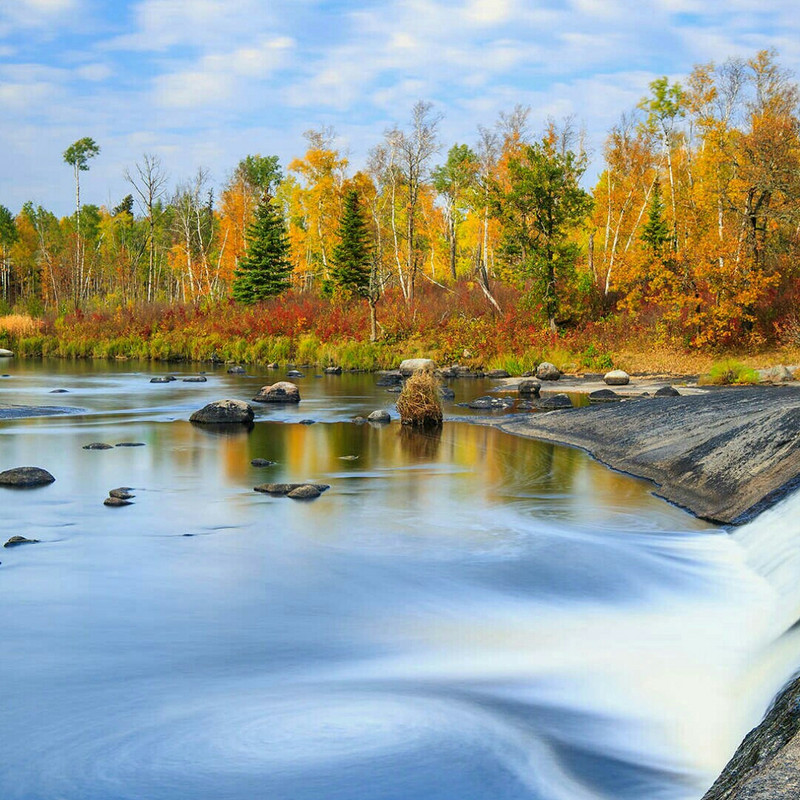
x,y
96,73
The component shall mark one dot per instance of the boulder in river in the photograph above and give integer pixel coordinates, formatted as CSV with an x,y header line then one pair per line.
x,y
529,387
25,476
129,444
236,370
116,502
555,401
307,422
261,462
380,415
162,379
15,541
489,403
294,373
306,492
280,392
446,393
59,391
667,391
548,372
195,379
98,446
604,396
121,493
282,489
497,373
617,377
411,365
392,378
5,353
333,370
223,412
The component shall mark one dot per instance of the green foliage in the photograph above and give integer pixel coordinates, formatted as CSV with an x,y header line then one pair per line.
x,y
265,270
352,256
542,207
260,173
728,372
77,155
596,359
656,231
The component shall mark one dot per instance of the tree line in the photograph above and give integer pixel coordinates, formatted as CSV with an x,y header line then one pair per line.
x,y
692,227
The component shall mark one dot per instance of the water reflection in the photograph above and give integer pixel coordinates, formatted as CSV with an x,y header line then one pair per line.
x,y
461,616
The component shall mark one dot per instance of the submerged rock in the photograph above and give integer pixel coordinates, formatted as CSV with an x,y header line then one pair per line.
x,y
261,462
25,476
306,422
446,393
224,412
130,444
393,378
14,541
280,392
295,373
489,403
59,391
98,446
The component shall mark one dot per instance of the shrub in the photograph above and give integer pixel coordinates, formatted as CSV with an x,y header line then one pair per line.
x,y
728,372
419,403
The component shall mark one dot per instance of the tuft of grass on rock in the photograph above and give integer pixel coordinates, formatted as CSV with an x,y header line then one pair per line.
x,y
729,373
419,403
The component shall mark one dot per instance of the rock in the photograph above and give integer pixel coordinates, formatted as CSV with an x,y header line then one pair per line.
x,y
381,415
348,458
116,502
5,353
294,373
306,492
163,379
98,446
224,411
195,379
333,370
555,401
282,489
446,393
280,392
359,420
529,387
25,476
14,541
393,378
306,422
779,374
261,462
237,370
130,444
667,391
617,377
273,365
497,373
59,391
531,373
395,389
121,493
603,396
411,365
547,372
489,403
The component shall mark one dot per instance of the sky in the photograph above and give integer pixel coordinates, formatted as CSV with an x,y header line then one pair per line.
x,y
203,83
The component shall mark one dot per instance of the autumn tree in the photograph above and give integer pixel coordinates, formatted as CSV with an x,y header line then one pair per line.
x,y
265,270
453,180
541,208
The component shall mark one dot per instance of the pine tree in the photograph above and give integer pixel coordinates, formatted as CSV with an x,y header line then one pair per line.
x,y
657,230
265,269
352,256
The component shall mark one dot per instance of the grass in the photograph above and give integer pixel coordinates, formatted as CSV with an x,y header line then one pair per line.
x,y
729,373
419,403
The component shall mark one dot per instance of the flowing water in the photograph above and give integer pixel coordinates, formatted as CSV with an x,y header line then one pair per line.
x,y
461,616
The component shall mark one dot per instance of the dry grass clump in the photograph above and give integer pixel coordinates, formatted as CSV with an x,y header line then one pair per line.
x,y
20,325
419,403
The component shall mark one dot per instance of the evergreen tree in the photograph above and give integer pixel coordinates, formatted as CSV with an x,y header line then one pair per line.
x,y
352,256
657,230
265,270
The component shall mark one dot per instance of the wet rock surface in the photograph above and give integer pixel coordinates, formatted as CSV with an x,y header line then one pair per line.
x,y
722,455
15,541
282,489
25,477
224,412
280,392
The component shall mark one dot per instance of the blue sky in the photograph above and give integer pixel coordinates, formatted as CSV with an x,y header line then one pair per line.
x,y
206,82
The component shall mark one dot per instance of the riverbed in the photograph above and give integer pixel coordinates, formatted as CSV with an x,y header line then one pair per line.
x,y
460,616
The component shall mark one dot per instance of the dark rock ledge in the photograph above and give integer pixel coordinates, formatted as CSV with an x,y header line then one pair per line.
x,y
724,455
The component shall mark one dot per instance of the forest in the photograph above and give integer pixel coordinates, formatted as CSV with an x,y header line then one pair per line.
x,y
495,251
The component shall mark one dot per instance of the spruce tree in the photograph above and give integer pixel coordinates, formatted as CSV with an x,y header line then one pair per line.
x,y
657,230
352,256
265,269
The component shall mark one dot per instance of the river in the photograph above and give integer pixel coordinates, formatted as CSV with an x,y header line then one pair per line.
x,y
460,617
